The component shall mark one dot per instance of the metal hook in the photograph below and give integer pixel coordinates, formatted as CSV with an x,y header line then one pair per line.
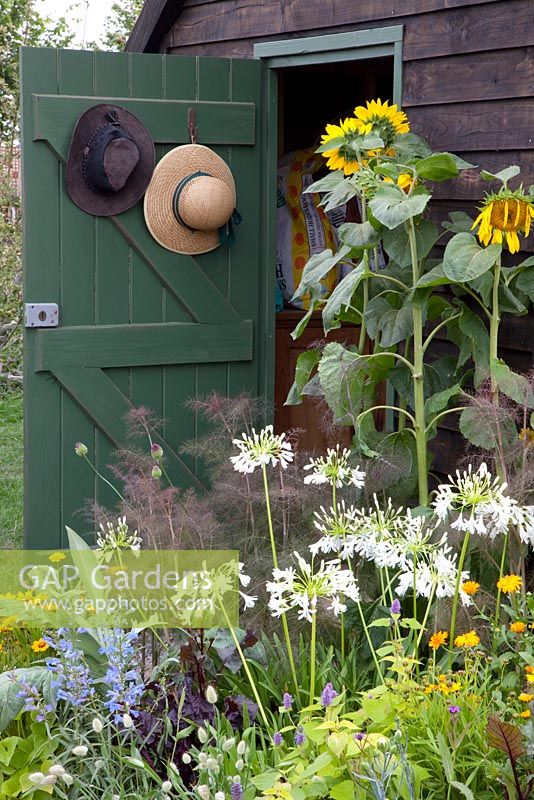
x,y
192,126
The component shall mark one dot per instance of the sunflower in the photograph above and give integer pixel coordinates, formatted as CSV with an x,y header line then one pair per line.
x,y
504,213
381,118
527,435
437,639
342,156
509,583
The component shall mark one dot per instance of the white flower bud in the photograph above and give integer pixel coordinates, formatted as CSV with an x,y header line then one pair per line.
x,y
203,791
166,787
186,758
98,727
36,777
219,796
241,748
228,744
127,721
202,735
212,764
239,764
211,694
99,763
57,770
48,780
203,760
115,797
68,779
220,758
80,750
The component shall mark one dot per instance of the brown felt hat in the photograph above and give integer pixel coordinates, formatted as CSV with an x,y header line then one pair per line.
x,y
110,162
190,203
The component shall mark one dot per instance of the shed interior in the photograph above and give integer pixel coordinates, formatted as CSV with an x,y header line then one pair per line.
x,y
309,97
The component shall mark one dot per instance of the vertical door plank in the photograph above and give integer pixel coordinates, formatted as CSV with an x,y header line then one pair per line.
x,y
77,308
42,480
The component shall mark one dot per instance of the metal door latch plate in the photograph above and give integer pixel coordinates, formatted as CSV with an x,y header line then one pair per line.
x,y
41,315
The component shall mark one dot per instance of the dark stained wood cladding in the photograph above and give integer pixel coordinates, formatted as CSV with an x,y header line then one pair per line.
x,y
468,87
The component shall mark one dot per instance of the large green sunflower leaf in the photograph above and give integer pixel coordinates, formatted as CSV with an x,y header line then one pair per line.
x,y
460,222
326,184
437,167
341,297
306,363
397,242
514,386
392,207
317,268
504,175
358,234
465,260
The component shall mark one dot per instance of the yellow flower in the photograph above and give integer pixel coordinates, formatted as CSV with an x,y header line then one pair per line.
x,y
527,435
518,627
437,639
530,678
342,156
5,628
525,698
56,557
470,587
509,583
529,669
504,213
526,714
39,646
469,639
1,647
381,118
405,181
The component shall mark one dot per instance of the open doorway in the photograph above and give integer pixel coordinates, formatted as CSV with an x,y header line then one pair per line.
x,y
309,97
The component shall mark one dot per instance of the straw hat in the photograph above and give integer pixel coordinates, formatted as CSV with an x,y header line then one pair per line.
x,y
110,162
190,202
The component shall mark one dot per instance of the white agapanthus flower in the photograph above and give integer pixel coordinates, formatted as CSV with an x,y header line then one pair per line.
x,y
117,537
436,574
302,588
375,528
334,469
260,449
338,527
248,599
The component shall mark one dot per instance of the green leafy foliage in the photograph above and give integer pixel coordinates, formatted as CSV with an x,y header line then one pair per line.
x,y
465,260
437,167
341,297
397,243
306,363
11,685
392,207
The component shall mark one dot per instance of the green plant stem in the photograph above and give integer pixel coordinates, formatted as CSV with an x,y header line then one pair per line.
x,y
313,646
501,572
418,378
104,479
461,562
369,641
414,587
363,327
494,329
275,563
425,618
246,668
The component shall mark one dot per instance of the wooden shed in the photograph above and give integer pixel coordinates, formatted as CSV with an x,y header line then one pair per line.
x,y
463,70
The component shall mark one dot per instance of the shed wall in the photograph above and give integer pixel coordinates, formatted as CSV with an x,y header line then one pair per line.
x,y
468,87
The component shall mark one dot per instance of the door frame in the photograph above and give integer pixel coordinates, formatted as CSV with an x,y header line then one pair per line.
x,y
329,48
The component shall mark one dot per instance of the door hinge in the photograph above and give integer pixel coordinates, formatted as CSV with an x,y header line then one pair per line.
x,y
41,315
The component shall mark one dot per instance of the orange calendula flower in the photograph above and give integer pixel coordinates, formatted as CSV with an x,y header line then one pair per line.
x,y
526,714
470,587
518,627
342,155
438,639
39,646
509,583
57,557
469,639
504,213
524,697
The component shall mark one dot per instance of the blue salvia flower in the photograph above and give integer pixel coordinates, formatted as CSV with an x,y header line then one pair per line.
x,y
123,678
287,701
236,790
72,677
300,737
33,700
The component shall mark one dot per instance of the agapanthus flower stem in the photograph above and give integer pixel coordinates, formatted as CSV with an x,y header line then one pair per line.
x,y
369,641
456,597
275,564
313,646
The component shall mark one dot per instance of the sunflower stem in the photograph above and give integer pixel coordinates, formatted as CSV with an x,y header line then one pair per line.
x,y
363,327
463,555
494,329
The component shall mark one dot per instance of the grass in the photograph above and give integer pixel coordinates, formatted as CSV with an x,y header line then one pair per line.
x,y
11,470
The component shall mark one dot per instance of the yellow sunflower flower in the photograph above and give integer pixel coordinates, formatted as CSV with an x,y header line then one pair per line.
x,y
384,119
527,435
39,646
438,639
525,698
504,214
509,583
470,587
518,627
342,156
469,639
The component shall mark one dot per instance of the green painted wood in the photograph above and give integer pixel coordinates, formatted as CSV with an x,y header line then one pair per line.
x,y
138,345
330,57
329,42
139,324
108,407
231,123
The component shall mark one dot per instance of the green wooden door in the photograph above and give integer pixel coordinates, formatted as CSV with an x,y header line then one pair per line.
x,y
139,325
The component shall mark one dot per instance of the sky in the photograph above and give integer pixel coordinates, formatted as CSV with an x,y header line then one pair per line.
x,y
90,14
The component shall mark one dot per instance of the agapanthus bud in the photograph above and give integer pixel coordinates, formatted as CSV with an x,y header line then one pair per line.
x,y
156,451
97,725
166,787
80,449
211,694
80,750
156,472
